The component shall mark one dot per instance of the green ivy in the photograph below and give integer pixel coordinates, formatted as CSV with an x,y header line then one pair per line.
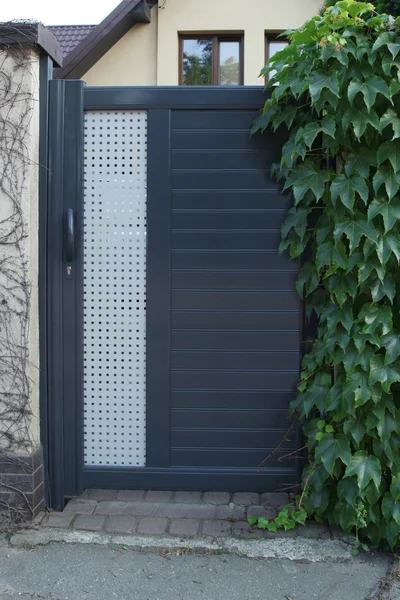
x,y
336,89
391,7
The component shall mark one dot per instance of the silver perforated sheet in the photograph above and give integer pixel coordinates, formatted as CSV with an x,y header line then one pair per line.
x,y
115,288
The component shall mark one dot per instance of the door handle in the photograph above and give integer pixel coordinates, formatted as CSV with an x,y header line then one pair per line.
x,y
69,236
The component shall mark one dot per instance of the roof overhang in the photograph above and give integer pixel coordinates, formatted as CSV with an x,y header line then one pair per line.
x,y
17,33
104,36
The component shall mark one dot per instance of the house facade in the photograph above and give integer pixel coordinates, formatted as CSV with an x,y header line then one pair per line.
x,y
180,42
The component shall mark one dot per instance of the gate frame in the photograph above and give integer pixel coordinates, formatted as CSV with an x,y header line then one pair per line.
x,y
67,476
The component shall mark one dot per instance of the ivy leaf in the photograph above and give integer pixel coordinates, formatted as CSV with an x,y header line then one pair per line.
x,y
347,489
383,373
366,468
359,118
330,448
390,211
380,289
320,80
315,395
386,39
389,178
355,228
309,133
391,118
309,177
390,151
369,89
360,162
357,384
346,187
392,242
328,126
354,428
376,316
308,278
390,508
296,218
391,343
395,487
324,254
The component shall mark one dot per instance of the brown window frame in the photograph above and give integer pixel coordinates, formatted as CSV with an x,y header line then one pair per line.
x,y
216,38
271,36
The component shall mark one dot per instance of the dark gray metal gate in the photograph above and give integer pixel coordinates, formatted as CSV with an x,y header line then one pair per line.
x,y
223,320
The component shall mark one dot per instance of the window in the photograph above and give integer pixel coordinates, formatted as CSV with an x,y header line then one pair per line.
x,y
211,60
273,44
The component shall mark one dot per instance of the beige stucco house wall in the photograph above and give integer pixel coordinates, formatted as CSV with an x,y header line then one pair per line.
x,y
149,53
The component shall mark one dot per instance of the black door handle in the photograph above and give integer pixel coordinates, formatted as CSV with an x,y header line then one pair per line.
x,y
69,236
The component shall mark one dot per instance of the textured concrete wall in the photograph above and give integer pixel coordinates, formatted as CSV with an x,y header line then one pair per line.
x,y
19,331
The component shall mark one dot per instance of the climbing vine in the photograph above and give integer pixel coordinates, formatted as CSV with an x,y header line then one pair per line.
x,y
16,110
336,89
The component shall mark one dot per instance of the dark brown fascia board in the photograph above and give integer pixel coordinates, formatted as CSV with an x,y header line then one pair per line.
x,y
31,34
103,37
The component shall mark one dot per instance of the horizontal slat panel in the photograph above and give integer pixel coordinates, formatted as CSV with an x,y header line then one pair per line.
x,y
234,340
234,400
199,259
240,458
215,159
224,240
198,139
226,180
223,319
251,280
233,438
214,419
213,119
231,199
234,380
228,220
235,360
244,300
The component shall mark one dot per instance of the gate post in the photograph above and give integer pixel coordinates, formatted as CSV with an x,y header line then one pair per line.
x,y
27,52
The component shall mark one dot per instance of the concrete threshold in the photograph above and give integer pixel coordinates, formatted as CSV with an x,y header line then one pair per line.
x,y
293,549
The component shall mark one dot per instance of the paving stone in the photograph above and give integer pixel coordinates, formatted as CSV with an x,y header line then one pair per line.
x,y
130,495
80,506
200,511
184,527
216,528
101,495
158,496
120,524
242,529
89,522
142,509
185,511
265,512
114,507
152,526
216,498
58,520
246,498
188,497
226,512
279,499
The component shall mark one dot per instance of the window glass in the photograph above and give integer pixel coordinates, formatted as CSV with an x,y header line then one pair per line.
x,y
197,62
229,63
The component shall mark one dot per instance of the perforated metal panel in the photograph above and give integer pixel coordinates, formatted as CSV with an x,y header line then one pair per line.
x,y
115,287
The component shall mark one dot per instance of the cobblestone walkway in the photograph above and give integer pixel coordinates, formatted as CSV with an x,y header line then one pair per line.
x,y
180,514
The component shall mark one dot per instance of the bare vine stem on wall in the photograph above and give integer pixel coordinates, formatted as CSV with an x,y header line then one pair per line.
x,y
16,110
